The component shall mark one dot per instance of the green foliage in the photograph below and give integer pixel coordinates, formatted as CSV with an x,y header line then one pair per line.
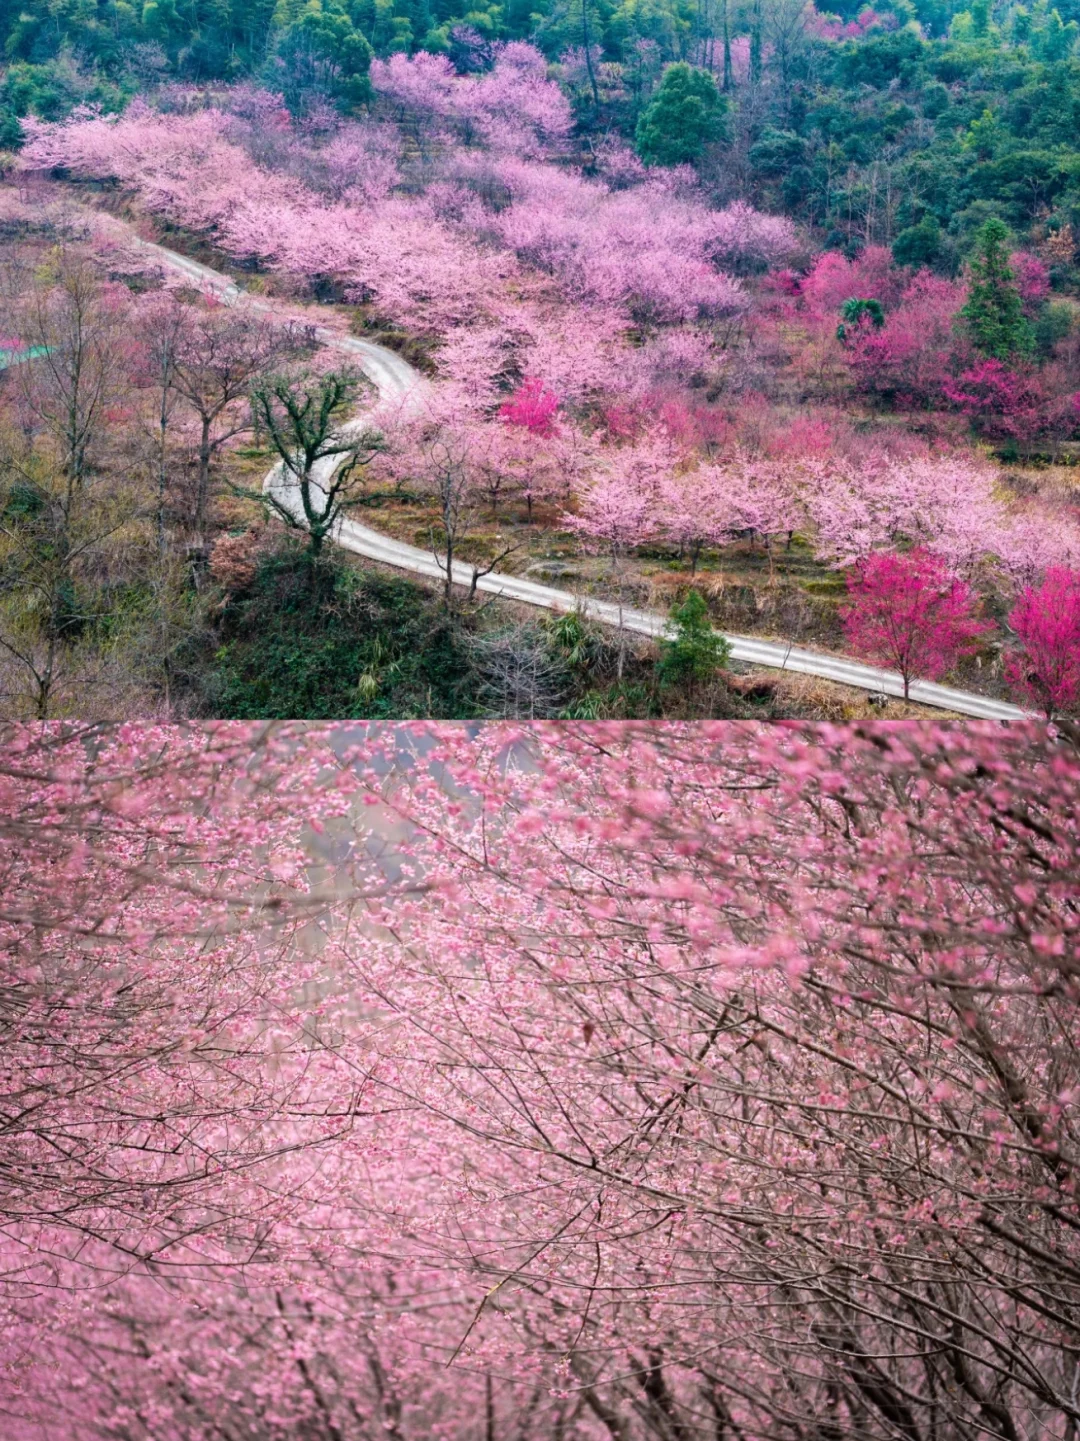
x,y
686,114
574,641
777,152
323,54
51,90
919,245
854,311
24,501
692,652
880,60
332,644
301,416
324,641
994,311
1054,323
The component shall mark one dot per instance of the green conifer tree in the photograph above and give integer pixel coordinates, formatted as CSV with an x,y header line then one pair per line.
x,y
994,311
692,652
685,115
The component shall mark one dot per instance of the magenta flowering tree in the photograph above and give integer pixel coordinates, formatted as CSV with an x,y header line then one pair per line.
x,y
906,358
1032,280
534,449
533,407
1046,620
907,612
1002,404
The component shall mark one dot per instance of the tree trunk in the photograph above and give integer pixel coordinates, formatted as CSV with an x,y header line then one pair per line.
x,y
588,53
163,428
448,588
44,679
204,477
755,45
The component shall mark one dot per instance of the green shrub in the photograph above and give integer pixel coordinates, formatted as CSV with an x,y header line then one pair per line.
x,y
323,641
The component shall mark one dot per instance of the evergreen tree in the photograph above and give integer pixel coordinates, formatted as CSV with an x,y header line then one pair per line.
x,y
919,245
692,651
685,115
994,311
324,54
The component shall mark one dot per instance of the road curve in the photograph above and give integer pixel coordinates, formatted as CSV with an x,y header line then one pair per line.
x,y
395,379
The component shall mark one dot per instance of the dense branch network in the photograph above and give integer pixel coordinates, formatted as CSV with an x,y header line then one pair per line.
x,y
701,1079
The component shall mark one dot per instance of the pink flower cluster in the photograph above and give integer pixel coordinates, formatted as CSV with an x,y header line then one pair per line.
x,y
604,1051
849,507
512,107
505,261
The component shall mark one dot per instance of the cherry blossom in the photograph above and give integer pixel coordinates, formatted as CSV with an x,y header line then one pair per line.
x,y
906,612
714,1077
1047,622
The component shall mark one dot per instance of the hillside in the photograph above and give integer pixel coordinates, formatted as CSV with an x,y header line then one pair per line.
x,y
705,340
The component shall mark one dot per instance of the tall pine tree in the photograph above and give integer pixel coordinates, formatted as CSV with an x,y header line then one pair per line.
x,y
994,311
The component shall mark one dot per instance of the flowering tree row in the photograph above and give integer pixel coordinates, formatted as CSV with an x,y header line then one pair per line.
x,y
647,250
652,487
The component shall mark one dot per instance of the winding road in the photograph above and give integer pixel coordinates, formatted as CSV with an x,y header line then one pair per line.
x,y
394,378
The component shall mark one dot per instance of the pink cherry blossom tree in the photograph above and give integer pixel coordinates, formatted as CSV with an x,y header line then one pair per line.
x,y
872,501
638,850
615,512
513,106
1046,620
617,509
907,612
695,509
155,1002
762,498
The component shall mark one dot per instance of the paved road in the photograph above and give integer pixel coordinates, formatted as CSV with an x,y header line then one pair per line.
x,y
394,378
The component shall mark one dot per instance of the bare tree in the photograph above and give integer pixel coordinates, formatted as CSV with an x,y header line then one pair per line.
x,y
164,328
785,32
74,329
524,679
218,357
451,478
50,534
